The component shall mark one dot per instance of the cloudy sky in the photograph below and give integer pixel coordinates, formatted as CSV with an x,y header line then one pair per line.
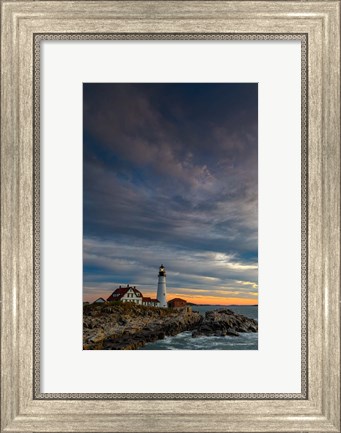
x,y
171,176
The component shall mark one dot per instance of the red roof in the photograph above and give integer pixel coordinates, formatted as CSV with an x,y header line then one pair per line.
x,y
147,299
121,291
177,301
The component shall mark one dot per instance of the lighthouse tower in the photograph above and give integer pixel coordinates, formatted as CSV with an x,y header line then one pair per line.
x,y
161,287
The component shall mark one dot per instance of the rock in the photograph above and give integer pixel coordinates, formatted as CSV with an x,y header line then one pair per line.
x,y
99,336
119,326
232,332
220,333
222,322
253,327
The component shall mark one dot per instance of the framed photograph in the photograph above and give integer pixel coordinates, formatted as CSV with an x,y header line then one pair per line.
x,y
180,184
170,216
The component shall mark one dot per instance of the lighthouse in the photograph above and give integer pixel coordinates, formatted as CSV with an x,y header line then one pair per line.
x,y
161,287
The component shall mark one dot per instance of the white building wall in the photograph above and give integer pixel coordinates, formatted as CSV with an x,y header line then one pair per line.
x,y
130,296
162,291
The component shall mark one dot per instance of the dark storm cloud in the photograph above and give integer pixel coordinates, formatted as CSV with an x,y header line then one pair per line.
x,y
170,170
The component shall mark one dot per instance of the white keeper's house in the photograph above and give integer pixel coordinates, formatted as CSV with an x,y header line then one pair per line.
x,y
131,294
126,294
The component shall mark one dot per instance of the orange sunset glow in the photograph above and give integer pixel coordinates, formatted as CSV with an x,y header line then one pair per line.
x,y
195,299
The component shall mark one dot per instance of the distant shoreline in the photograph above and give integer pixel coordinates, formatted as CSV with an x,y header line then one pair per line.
x,y
220,305
190,304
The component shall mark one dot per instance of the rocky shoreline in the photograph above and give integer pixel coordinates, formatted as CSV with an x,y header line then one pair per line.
x,y
127,326
224,322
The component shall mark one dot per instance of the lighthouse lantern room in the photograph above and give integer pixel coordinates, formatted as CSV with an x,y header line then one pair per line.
x,y
161,287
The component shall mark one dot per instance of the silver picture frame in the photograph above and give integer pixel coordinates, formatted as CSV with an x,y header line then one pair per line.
x,y
24,25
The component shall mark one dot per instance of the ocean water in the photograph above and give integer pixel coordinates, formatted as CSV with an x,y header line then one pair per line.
x,y
184,341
